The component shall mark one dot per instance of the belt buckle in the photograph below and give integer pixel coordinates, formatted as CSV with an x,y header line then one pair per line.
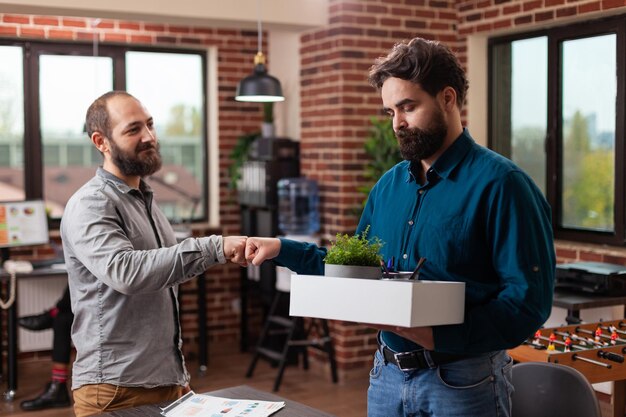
x,y
399,357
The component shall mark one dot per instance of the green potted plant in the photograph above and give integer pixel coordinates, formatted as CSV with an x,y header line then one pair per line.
x,y
239,155
354,256
381,147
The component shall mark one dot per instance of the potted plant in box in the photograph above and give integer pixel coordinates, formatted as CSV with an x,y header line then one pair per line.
x,y
354,256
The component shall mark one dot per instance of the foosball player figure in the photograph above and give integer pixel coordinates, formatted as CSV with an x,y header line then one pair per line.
x,y
551,343
568,344
613,338
537,339
598,334
612,329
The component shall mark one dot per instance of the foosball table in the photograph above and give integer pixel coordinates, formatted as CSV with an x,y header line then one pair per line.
x,y
597,350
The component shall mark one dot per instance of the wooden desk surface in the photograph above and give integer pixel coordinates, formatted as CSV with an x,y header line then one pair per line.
x,y
291,409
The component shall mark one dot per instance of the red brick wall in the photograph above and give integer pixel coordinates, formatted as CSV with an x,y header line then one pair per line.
x,y
337,103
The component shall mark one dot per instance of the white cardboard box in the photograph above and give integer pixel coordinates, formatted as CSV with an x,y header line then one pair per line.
x,y
400,303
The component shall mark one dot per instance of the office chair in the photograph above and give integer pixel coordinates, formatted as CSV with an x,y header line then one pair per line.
x,y
544,389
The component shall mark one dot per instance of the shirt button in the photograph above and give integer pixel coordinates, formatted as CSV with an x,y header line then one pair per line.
x,y
535,268
421,191
410,222
405,256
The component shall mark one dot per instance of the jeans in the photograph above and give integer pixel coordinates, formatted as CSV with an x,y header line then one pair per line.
x,y
474,387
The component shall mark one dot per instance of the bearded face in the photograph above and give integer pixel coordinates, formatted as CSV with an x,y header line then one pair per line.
x,y
142,161
417,144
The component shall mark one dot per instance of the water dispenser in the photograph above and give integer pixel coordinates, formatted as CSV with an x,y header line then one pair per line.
x,y
298,200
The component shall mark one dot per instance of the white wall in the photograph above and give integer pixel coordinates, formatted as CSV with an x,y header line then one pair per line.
x,y
286,14
284,64
477,93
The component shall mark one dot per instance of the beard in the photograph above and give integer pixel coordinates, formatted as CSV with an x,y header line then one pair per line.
x,y
417,144
133,163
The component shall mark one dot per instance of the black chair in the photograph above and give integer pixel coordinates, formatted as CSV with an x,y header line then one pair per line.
x,y
298,336
545,389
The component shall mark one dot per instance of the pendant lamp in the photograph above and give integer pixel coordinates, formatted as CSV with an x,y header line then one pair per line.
x,y
260,87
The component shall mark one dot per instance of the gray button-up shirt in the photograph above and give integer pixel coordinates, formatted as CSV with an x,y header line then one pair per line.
x,y
124,267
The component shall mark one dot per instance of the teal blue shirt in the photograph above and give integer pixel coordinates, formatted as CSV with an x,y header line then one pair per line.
x,y
477,219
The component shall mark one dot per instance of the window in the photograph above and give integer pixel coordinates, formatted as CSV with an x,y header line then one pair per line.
x,y
175,90
55,83
11,124
557,110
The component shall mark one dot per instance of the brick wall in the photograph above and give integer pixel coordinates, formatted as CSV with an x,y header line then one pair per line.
x,y
337,103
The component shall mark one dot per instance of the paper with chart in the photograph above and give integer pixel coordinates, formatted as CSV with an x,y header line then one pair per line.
x,y
201,405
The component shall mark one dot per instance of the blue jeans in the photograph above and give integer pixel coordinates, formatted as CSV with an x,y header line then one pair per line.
x,y
475,387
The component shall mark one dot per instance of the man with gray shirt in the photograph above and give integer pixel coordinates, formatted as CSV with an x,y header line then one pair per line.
x,y
124,268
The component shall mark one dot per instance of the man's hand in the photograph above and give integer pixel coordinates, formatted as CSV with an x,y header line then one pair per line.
x,y
423,336
235,249
258,249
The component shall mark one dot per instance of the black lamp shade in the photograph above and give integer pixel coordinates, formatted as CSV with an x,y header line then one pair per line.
x,y
259,87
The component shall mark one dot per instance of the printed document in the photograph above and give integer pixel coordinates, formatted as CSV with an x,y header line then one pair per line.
x,y
201,405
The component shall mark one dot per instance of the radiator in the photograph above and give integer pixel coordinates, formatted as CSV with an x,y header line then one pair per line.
x,y
34,296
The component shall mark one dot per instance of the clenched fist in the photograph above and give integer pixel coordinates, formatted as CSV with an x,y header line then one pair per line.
x,y
235,249
259,249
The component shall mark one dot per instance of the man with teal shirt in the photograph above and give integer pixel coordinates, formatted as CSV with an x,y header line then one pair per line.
x,y
476,218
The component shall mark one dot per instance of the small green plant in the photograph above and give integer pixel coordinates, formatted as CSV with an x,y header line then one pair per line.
x,y
355,250
239,155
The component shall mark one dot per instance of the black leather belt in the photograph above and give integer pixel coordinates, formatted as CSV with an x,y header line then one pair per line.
x,y
419,359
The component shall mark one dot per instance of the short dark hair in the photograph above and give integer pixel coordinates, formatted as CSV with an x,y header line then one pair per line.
x,y
97,119
425,62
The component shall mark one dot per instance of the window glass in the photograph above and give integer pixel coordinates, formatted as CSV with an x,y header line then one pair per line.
x,y
45,152
171,87
529,107
589,88
67,86
11,124
77,154
519,119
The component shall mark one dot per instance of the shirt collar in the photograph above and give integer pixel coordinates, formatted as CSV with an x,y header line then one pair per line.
x,y
445,164
121,185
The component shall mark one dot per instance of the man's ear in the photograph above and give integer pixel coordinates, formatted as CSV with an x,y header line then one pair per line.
x,y
100,142
449,98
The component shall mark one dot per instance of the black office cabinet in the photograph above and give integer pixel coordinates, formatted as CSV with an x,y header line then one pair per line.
x,y
270,159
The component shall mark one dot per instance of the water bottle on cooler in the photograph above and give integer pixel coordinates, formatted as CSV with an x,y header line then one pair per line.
x,y
298,200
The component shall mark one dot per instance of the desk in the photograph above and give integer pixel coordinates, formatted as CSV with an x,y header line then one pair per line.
x,y
573,302
12,325
53,272
291,409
